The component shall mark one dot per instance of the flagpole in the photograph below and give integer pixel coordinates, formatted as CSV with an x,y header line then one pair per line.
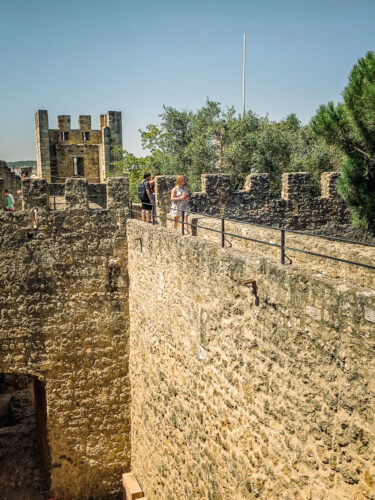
x,y
243,74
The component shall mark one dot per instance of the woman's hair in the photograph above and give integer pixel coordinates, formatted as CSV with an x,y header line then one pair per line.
x,y
179,179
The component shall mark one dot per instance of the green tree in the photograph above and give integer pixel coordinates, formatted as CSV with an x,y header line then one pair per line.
x,y
212,140
312,154
351,125
237,144
184,142
133,167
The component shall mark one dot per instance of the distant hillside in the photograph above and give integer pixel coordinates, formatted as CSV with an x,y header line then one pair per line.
x,y
24,163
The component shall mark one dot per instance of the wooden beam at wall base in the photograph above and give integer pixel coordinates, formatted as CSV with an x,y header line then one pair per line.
x,y
132,490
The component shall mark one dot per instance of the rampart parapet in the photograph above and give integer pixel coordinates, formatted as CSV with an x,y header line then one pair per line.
x,y
73,194
296,208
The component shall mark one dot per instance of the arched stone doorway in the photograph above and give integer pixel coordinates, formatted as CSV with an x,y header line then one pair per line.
x,y
24,453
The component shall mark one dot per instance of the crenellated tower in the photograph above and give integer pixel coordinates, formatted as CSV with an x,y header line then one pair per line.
x,y
83,152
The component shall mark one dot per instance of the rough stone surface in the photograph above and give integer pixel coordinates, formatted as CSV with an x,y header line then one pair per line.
x,y
249,379
295,209
117,192
64,320
203,226
76,194
96,193
35,194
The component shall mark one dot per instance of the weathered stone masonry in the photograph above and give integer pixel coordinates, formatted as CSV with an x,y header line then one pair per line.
x,y
64,320
246,390
296,208
248,379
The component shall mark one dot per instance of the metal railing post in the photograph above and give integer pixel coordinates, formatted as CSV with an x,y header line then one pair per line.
x,y
153,214
222,232
282,246
131,209
54,202
183,222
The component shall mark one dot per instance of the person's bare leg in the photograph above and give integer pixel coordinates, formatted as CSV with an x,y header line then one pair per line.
x,y
143,216
186,224
176,219
148,215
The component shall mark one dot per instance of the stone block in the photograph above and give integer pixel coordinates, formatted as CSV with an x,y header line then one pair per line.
x,y
63,122
258,185
35,193
163,188
76,195
216,184
84,122
295,186
42,144
117,192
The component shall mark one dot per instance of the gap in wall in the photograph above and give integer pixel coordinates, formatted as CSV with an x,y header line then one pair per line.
x,y
24,453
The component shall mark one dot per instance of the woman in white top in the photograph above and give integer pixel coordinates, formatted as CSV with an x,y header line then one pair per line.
x,y
179,199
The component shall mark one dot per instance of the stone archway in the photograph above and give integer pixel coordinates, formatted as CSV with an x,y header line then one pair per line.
x,y
24,452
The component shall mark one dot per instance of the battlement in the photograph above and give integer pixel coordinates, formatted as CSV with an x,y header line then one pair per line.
x,y
296,208
84,122
63,122
77,193
112,120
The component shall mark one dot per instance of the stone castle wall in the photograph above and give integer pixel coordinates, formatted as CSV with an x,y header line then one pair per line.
x,y
296,208
97,192
249,379
64,320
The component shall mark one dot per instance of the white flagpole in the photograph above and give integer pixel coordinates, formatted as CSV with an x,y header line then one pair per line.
x,y
243,74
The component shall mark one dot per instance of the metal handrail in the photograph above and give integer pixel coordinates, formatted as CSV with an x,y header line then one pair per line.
x,y
296,231
280,245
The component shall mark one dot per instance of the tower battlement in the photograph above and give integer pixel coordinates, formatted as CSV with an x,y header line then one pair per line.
x,y
82,152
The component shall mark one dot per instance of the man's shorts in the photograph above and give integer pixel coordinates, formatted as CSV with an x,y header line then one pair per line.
x,y
146,205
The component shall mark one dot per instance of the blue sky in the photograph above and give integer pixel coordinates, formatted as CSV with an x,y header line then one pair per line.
x,y
89,56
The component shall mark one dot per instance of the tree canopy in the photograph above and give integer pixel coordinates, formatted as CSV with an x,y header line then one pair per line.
x,y
351,126
211,140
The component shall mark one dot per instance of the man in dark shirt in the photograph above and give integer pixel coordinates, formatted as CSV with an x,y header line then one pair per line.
x,y
146,199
